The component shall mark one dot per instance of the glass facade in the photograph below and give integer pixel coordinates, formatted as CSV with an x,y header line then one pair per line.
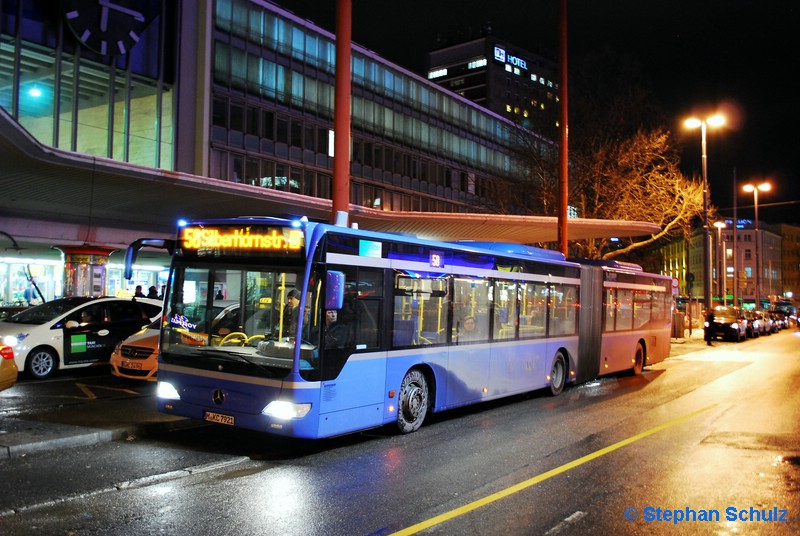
x,y
68,96
414,146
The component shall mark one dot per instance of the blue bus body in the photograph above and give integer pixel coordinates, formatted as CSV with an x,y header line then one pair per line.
x,y
402,308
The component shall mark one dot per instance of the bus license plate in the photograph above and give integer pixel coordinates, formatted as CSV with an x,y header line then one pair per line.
x,y
219,418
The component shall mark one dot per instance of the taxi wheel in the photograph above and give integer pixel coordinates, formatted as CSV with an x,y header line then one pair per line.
x,y
41,363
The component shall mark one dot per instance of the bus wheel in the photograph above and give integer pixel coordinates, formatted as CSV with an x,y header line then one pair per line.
x,y
558,376
41,363
412,402
638,360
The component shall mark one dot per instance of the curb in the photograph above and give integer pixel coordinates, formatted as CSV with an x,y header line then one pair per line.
x,y
21,437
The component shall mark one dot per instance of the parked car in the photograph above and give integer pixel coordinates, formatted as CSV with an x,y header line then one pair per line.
x,y
73,332
779,320
753,328
136,357
765,318
728,323
8,367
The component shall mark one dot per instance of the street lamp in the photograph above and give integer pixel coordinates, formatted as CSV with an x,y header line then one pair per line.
x,y
693,122
721,273
764,187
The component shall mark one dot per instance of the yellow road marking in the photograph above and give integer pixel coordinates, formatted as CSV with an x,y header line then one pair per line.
x,y
542,477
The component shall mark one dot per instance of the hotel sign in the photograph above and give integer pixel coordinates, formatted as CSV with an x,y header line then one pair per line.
x,y
502,56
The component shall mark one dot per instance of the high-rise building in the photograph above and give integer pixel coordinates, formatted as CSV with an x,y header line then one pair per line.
x,y
502,77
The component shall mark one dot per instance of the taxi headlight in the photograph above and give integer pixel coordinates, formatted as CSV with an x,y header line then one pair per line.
x,y
14,340
281,409
734,326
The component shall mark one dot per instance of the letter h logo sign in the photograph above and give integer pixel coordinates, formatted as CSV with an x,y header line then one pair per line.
x,y
500,54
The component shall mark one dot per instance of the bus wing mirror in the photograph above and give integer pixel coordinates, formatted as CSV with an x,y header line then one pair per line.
x,y
334,290
136,245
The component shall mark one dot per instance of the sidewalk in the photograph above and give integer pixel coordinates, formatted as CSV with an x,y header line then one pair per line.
x,y
80,425
694,342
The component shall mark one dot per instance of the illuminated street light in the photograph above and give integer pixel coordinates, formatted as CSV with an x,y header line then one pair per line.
x,y
714,121
764,187
721,273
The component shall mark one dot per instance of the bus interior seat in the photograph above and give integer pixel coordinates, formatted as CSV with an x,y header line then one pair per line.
x,y
404,332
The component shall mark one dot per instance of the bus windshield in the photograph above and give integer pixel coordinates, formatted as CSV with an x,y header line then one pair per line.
x,y
241,320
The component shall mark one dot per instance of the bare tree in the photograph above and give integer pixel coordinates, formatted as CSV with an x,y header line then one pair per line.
x,y
623,163
637,179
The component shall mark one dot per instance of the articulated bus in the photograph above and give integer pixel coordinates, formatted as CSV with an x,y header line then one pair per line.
x,y
388,327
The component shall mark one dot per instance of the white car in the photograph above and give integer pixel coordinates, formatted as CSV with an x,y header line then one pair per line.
x,y
136,357
73,332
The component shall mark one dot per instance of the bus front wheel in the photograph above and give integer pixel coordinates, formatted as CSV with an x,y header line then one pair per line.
x,y
412,402
558,374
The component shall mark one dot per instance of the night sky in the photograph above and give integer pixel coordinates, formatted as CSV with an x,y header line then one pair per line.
x,y
739,56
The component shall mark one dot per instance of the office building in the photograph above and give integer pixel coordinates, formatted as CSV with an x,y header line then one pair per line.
x,y
205,109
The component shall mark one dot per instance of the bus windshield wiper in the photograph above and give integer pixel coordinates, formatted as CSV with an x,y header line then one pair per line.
x,y
231,355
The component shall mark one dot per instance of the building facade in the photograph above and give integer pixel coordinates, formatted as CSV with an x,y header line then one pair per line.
x,y
790,261
234,94
739,253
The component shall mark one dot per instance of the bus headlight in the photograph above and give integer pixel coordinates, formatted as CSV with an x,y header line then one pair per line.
x,y
167,390
280,409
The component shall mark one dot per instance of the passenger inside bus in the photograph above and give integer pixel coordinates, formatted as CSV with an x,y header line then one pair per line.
x,y
337,334
469,330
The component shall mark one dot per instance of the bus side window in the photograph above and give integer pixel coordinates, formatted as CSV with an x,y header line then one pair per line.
x,y
505,310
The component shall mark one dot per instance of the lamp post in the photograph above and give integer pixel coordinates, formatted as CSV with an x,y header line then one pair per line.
x,y
693,122
721,273
764,187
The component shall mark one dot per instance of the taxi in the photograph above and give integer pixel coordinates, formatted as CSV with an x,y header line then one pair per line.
x,y
73,332
136,358
8,368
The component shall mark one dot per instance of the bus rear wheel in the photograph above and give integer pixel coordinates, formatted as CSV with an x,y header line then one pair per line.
x,y
412,402
558,374
638,360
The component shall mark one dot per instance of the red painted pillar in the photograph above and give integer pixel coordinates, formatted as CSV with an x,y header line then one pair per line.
x,y
341,113
563,179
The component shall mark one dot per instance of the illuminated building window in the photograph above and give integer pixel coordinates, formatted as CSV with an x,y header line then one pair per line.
x,y
508,68
508,108
438,73
477,64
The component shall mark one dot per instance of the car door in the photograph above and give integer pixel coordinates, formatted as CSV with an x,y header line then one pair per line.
x,y
125,319
86,335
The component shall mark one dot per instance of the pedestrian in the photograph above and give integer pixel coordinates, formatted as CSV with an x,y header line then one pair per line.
x,y
138,292
29,295
708,327
152,293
